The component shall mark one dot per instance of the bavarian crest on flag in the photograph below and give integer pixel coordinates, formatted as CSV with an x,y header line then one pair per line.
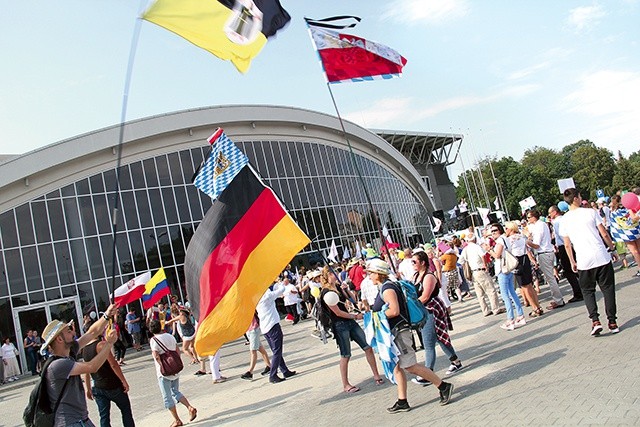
x,y
222,165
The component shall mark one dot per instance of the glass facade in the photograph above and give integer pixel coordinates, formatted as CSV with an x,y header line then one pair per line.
x,y
61,245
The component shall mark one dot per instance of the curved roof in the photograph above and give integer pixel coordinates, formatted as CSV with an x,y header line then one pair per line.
x,y
38,172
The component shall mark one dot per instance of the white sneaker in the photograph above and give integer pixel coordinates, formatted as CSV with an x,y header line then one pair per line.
x,y
508,326
520,322
454,368
420,381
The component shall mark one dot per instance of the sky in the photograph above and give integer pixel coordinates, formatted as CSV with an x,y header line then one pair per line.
x,y
507,75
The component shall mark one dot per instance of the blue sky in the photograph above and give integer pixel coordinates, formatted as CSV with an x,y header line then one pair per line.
x,y
508,75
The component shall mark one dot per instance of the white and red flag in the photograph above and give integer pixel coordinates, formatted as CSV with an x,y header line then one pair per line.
x,y
132,290
349,58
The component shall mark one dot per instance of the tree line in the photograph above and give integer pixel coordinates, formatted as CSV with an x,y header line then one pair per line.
x,y
538,172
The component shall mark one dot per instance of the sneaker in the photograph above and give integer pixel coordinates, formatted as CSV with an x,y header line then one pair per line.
x,y
508,326
315,333
637,274
289,374
199,373
445,393
420,381
520,321
454,368
276,380
266,371
596,329
247,376
399,407
613,328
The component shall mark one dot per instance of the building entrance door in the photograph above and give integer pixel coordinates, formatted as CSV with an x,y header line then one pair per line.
x,y
37,316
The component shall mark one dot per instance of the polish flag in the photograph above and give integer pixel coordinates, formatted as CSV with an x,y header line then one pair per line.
x,y
132,290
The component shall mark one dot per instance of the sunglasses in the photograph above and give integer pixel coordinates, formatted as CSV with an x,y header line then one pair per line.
x,y
495,231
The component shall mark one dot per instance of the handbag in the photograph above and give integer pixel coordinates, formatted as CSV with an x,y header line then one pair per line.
x,y
467,271
509,263
170,361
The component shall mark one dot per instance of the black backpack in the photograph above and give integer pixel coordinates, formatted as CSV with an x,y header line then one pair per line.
x,y
38,412
322,312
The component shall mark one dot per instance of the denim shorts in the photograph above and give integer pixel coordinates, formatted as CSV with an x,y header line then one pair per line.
x,y
346,331
254,339
170,391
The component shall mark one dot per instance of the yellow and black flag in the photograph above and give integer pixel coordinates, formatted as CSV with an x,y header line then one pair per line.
x,y
244,241
233,30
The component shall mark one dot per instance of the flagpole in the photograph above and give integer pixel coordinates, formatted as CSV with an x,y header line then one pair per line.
x,y
123,116
355,165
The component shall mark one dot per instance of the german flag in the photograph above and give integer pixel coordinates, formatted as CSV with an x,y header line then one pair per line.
x,y
232,30
244,241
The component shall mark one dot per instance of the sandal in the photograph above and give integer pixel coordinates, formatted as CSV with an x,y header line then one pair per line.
x,y
176,424
193,413
379,381
352,389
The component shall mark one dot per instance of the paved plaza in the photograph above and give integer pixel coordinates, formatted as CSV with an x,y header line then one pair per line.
x,y
549,372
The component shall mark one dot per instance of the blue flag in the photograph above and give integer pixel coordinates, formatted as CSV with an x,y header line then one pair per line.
x,y
223,164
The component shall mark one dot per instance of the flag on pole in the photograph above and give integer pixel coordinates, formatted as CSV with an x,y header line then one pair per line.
x,y
132,290
244,241
496,203
156,288
437,223
385,233
349,58
346,254
333,252
232,30
358,249
223,164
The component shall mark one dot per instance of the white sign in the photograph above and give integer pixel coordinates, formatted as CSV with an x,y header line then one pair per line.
x,y
563,184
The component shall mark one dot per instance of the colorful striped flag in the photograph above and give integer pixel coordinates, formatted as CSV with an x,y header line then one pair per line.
x,y
232,30
244,241
156,288
349,58
223,164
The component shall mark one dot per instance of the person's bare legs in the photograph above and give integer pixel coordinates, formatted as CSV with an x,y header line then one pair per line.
x,y
176,419
265,356
193,412
371,360
253,358
531,295
344,373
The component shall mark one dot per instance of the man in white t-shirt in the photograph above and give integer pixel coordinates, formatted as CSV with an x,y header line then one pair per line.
x,y
405,268
557,217
291,300
583,228
539,238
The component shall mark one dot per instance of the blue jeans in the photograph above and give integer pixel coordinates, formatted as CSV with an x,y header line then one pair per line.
x,y
346,331
170,391
508,293
104,398
429,339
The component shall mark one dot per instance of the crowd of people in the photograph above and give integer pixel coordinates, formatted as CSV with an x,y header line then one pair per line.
x,y
577,241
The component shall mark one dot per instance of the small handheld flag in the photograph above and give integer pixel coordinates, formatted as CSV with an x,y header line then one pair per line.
x,y
349,58
223,164
132,290
156,288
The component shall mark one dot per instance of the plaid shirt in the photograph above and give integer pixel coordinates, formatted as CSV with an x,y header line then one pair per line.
x,y
441,319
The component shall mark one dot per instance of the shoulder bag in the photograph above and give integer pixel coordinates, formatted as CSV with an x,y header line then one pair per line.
x,y
170,361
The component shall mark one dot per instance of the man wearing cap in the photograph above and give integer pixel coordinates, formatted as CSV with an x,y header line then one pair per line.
x,y
63,374
482,282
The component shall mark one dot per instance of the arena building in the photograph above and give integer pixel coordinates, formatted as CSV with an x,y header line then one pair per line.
x,y
56,202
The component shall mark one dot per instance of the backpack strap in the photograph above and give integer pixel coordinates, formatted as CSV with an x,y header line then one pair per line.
x,y
44,379
160,344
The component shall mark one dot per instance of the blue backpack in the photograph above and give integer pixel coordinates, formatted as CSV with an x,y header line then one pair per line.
x,y
415,308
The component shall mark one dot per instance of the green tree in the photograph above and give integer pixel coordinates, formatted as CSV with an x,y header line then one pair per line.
x,y
594,168
627,173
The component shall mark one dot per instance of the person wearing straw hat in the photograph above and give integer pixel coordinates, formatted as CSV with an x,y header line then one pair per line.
x,y
391,301
63,374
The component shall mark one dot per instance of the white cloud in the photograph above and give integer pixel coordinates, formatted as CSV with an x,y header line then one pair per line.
x,y
408,110
609,99
426,11
582,18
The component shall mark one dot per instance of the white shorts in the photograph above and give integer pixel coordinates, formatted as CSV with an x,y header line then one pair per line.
x,y
254,339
